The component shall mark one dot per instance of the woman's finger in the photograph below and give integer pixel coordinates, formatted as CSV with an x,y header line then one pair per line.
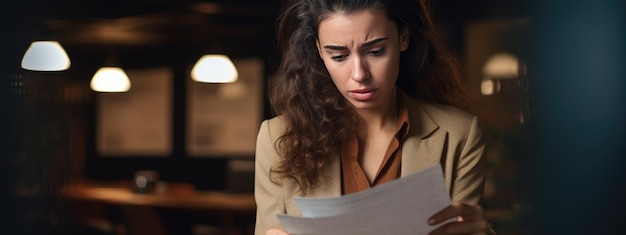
x,y
464,211
465,227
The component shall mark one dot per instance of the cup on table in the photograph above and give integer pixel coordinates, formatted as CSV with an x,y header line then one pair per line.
x,y
145,181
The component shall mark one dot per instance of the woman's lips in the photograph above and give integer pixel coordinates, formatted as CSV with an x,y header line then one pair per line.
x,y
363,94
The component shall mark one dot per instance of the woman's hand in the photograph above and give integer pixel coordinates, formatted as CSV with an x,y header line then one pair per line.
x,y
470,219
276,231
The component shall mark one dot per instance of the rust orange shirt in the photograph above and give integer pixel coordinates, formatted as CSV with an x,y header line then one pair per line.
x,y
353,178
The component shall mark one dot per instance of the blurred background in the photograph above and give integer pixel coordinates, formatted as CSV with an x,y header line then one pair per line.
x,y
171,152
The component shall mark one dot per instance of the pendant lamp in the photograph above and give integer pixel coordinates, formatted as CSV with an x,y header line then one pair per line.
x,y
111,77
45,56
214,68
498,68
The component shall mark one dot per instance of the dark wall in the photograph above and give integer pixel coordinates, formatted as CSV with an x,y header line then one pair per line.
x,y
176,52
580,53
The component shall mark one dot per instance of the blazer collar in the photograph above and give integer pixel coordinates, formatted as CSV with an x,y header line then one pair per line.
x,y
422,148
424,145
422,124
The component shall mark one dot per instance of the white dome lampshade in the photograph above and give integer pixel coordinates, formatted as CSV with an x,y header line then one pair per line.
x,y
110,79
45,56
214,69
502,66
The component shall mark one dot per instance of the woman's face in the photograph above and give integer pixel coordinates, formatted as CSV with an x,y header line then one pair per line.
x,y
361,51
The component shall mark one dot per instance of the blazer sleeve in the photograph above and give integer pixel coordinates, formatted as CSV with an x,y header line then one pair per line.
x,y
469,179
268,195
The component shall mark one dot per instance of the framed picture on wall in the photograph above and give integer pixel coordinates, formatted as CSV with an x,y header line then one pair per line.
x,y
137,122
223,118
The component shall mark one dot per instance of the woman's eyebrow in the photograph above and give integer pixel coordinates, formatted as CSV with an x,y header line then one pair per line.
x,y
365,44
336,48
372,42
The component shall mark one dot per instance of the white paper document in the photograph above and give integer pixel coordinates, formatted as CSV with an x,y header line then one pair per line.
x,y
401,206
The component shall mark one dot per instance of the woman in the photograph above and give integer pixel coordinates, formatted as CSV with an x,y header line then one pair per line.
x,y
365,94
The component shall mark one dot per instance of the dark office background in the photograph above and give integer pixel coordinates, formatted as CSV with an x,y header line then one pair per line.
x,y
578,129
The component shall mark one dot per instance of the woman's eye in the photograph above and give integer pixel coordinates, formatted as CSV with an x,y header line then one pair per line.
x,y
339,57
377,52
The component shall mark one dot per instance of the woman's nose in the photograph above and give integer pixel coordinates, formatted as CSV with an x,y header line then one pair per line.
x,y
360,71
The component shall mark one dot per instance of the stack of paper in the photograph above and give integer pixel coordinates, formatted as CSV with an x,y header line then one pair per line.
x,y
401,206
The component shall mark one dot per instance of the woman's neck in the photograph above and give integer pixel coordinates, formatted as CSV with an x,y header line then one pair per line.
x,y
380,119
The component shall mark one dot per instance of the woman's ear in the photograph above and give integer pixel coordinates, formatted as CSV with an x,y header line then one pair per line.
x,y
319,50
404,39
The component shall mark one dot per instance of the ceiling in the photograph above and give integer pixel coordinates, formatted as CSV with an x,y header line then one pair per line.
x,y
142,22
138,27
145,22
90,29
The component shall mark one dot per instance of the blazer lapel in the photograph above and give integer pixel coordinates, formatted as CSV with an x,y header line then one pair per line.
x,y
423,148
424,144
330,183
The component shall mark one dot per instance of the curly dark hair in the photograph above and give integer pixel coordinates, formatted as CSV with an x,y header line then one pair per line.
x,y
319,119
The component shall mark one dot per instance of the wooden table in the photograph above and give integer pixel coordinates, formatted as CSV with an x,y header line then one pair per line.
x,y
227,205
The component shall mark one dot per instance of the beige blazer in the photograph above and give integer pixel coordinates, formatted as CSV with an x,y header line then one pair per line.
x,y
439,134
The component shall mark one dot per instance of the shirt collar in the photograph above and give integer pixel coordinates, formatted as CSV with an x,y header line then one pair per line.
x,y
403,118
